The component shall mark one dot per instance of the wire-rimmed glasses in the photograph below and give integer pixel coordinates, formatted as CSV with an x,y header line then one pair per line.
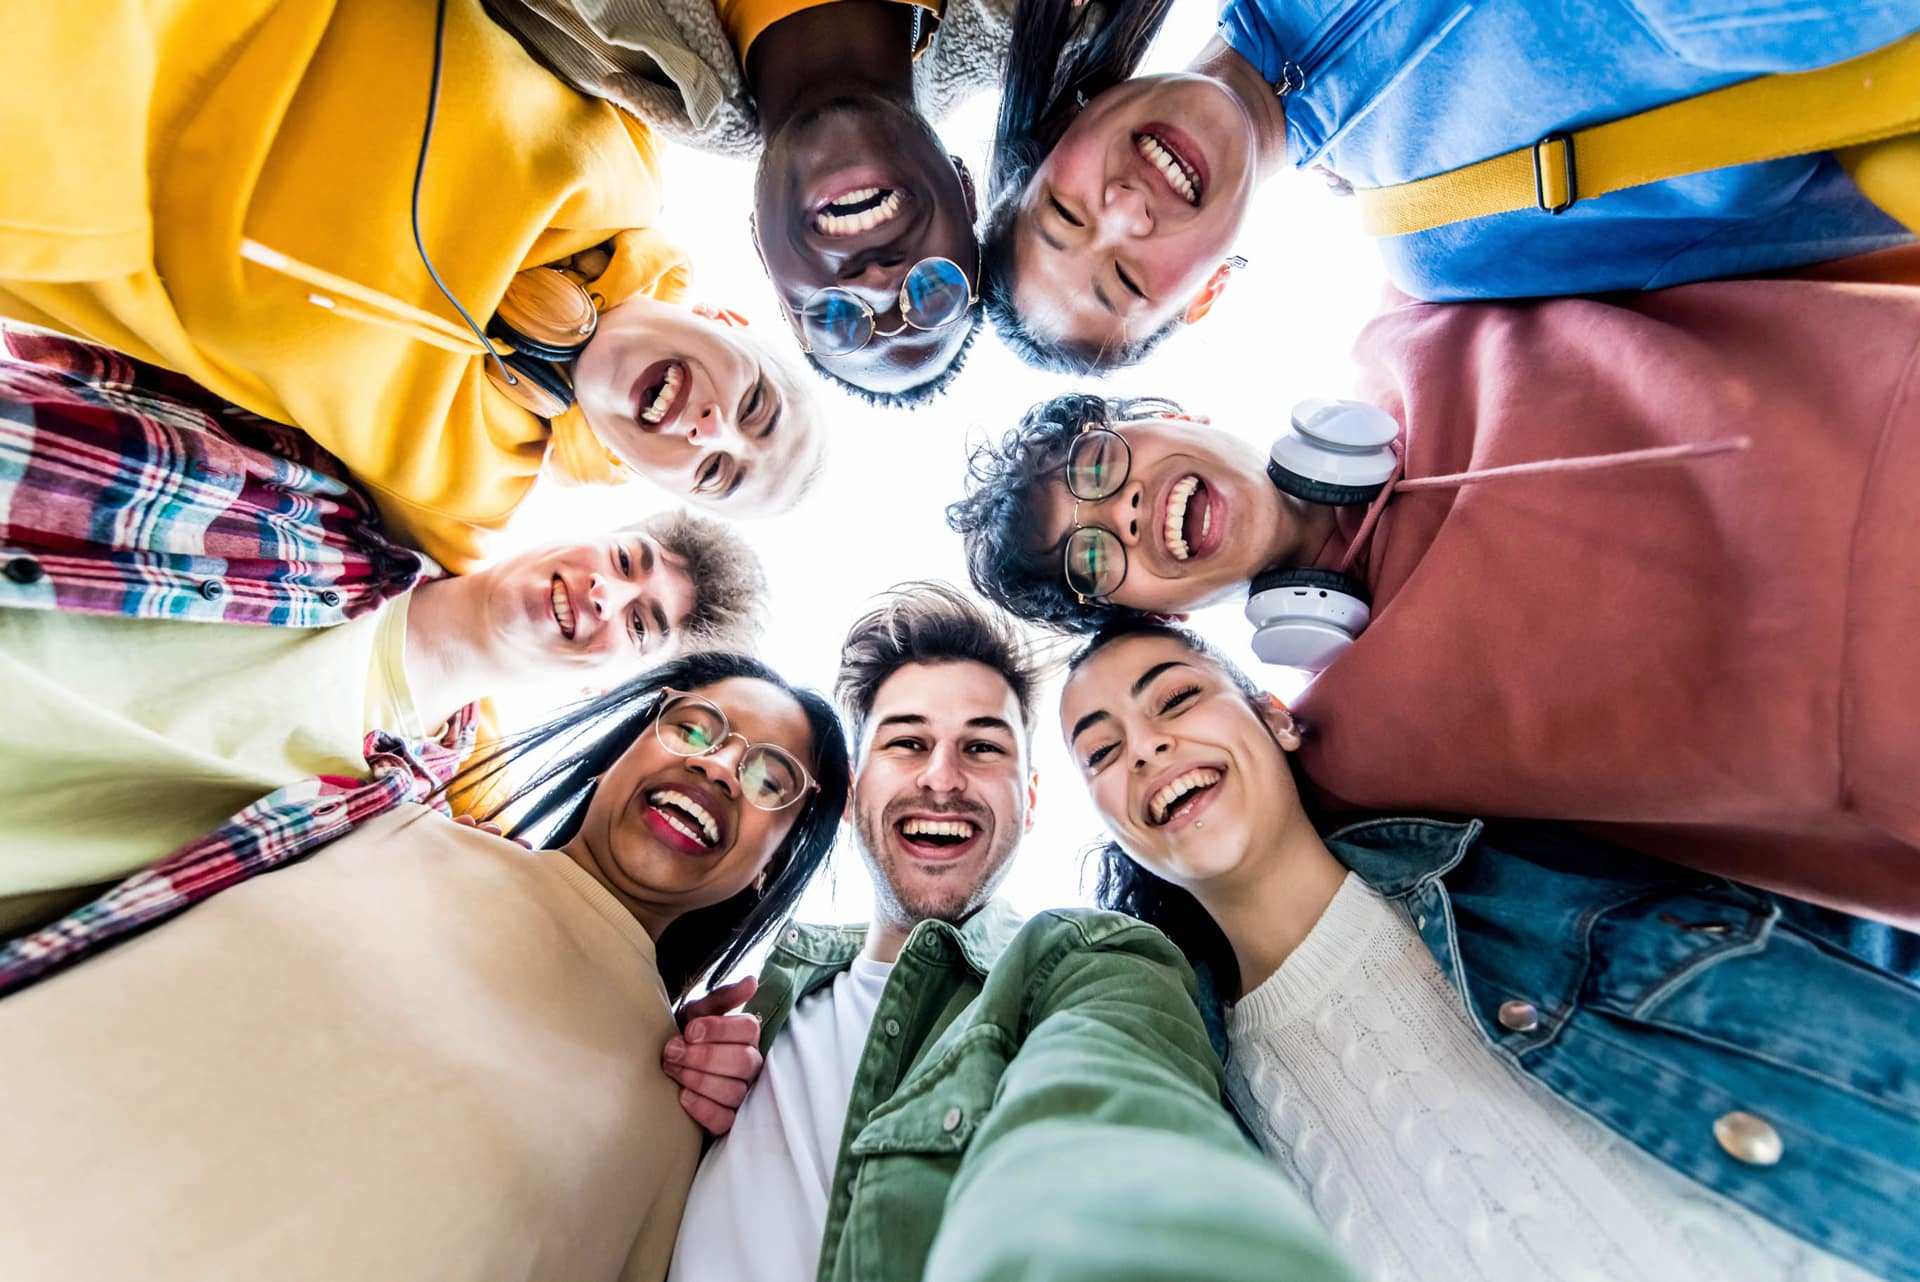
x,y
771,778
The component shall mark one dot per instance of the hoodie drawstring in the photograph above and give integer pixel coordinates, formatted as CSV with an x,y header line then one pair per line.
x,y
1398,484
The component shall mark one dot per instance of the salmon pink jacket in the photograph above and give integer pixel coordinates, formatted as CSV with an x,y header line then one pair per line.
x,y
1716,661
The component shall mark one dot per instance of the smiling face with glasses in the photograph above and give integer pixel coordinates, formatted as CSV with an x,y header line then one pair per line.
x,y
864,224
1163,514
691,813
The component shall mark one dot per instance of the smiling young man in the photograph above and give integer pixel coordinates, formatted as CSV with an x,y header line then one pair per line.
x,y
862,218
219,614
1708,659
947,1093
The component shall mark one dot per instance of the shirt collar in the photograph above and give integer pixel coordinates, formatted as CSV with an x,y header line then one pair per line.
x,y
1398,855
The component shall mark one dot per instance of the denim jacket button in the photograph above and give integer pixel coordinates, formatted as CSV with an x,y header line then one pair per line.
x,y
1748,1139
951,1122
1519,1017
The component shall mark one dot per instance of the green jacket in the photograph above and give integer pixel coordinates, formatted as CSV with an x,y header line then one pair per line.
x,y
1040,1102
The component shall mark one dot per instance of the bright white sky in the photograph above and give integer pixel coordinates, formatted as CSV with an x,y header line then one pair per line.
x,y
1280,335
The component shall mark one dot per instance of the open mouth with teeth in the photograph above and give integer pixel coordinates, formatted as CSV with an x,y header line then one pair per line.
x,y
682,820
1169,156
937,837
560,601
1191,524
661,393
861,209
1183,796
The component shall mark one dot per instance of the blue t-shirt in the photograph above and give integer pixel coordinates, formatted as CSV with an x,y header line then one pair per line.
x,y
1392,90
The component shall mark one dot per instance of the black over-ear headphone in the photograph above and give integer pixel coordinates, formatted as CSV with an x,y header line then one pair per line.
x,y
546,317
1338,453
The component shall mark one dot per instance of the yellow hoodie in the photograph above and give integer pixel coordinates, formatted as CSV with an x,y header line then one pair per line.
x,y
222,187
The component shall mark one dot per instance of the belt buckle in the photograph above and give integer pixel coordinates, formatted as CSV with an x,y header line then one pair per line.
x,y
1539,174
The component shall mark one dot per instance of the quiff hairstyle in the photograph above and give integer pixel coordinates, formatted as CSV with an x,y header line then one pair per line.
x,y
929,622
729,609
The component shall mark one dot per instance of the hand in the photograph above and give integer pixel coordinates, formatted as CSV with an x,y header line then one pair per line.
x,y
717,1056
491,828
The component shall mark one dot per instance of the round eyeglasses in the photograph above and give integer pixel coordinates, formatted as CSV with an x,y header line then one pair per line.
x,y
1098,463
771,778
933,295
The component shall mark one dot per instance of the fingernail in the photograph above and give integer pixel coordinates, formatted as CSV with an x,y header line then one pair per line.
x,y
693,1034
676,1051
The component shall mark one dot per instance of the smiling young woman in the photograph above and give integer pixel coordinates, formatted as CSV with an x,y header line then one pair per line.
x,y
1492,1051
431,1051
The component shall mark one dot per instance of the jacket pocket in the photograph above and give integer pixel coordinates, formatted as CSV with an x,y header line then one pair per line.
x,y
1716,967
942,1101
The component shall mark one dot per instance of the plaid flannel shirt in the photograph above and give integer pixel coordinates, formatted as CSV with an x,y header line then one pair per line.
x,y
283,826
129,490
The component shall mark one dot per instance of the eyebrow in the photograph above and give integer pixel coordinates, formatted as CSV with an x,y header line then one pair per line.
x,y
1146,679
900,719
733,486
990,723
1043,234
773,420
646,556
1080,727
1105,302
660,623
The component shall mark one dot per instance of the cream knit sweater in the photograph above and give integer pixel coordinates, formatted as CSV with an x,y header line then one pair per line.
x,y
1429,1157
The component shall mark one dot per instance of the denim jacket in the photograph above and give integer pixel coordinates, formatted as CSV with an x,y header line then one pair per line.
x,y
1662,1002
1039,1101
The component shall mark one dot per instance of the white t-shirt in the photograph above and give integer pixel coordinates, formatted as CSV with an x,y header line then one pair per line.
x,y
759,1203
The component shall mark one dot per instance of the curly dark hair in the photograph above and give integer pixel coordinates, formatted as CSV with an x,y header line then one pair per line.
x,y
1043,351
998,516
911,398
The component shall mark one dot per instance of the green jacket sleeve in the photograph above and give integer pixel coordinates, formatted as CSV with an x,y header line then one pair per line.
x,y
1107,1154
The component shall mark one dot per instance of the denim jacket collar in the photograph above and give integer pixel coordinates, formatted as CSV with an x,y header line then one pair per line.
x,y
1398,856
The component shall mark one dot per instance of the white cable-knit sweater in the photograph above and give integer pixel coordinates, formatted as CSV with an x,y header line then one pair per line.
x,y
1430,1157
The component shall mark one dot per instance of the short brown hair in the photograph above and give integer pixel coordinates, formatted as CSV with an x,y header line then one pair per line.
x,y
929,622
729,585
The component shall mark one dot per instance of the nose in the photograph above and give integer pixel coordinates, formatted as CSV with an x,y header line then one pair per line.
x,y
1151,746
600,592
721,767
1120,512
942,772
1124,213
877,283
710,424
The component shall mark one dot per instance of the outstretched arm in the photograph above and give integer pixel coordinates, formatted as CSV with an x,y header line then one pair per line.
x,y
1107,1154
